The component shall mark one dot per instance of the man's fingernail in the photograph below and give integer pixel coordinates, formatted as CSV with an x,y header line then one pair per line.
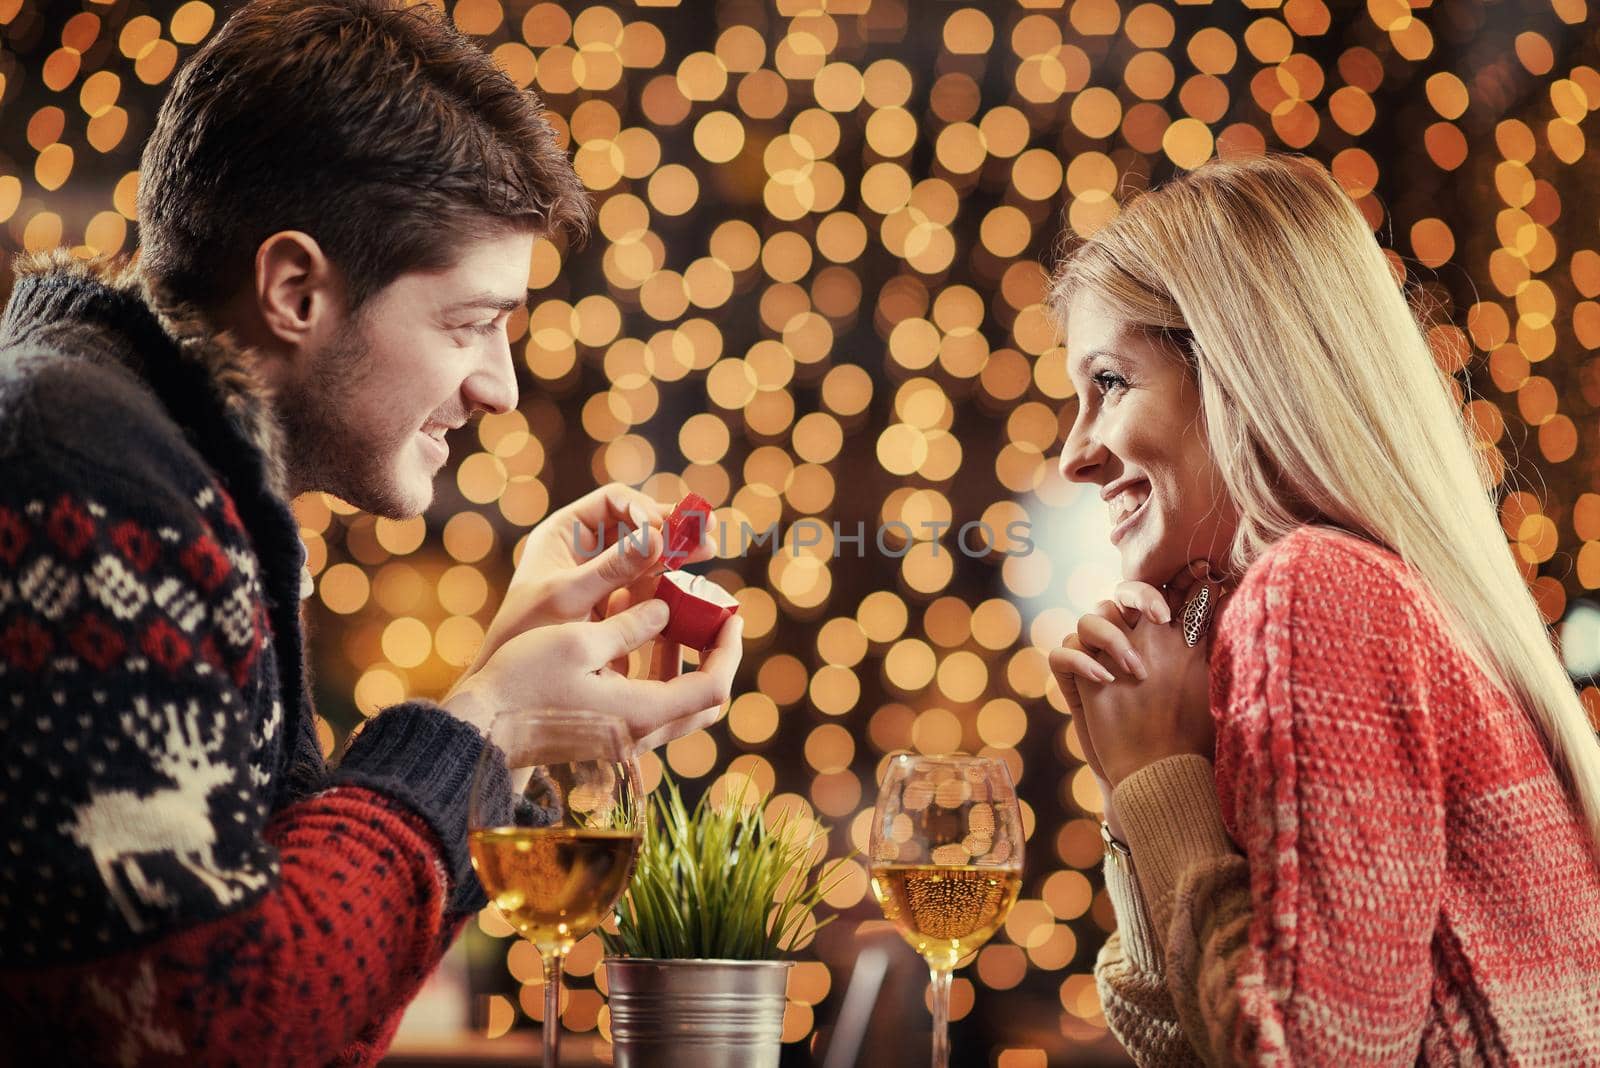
x,y
633,550
637,513
656,613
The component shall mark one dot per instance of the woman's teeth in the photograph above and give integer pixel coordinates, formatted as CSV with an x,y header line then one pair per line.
x,y
1125,504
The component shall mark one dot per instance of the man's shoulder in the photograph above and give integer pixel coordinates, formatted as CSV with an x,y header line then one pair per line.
x,y
72,417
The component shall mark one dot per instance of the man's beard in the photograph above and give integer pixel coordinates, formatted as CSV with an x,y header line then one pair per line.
x,y
326,450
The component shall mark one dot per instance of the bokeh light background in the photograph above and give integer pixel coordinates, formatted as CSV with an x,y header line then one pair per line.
x,y
814,291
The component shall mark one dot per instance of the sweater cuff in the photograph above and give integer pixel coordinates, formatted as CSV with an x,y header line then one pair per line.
x,y
423,757
1170,814
1140,946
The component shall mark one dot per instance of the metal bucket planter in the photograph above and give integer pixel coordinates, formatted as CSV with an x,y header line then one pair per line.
x,y
696,1013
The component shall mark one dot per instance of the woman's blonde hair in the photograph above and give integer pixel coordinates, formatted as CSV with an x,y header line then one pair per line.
x,y
1322,402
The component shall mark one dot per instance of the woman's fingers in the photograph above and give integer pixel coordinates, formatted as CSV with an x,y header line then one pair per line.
x,y
1080,726
1065,661
1139,599
1100,635
1069,663
1103,636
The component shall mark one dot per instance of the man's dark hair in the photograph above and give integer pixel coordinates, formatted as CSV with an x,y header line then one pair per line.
x,y
377,129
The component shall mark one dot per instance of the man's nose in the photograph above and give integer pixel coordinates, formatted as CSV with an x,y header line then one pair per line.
x,y
493,387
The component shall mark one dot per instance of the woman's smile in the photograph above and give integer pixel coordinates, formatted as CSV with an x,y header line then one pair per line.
x,y
1139,435
1126,501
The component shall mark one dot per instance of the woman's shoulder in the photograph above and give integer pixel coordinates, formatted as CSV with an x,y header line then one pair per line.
x,y
1318,575
1323,559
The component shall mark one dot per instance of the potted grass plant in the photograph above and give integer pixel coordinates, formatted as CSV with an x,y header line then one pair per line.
x,y
695,971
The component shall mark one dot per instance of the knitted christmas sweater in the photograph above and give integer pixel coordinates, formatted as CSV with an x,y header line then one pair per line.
x,y
1382,868
184,881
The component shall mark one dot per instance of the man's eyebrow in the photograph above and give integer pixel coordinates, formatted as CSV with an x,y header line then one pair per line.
x,y
487,301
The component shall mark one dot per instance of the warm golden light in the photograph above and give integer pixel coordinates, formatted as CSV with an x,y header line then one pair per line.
x,y
816,292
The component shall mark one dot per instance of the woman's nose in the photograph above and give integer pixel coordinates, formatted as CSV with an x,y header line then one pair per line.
x,y
1081,455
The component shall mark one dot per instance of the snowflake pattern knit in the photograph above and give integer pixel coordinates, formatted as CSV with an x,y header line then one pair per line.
x,y
185,881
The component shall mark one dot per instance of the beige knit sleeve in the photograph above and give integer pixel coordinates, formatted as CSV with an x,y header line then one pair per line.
x,y
1131,978
1197,888
1209,943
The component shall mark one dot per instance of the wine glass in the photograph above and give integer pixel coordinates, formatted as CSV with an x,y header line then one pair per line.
x,y
555,823
946,862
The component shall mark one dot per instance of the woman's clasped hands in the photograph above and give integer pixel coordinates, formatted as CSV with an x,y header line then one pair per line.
x,y
1138,693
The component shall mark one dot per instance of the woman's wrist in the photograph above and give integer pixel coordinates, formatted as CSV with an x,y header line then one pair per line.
x,y
1171,816
1109,816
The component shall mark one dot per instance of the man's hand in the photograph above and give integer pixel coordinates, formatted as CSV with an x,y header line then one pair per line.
x,y
585,587
567,667
575,566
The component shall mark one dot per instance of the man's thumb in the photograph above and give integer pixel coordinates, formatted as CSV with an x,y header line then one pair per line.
x,y
591,582
621,634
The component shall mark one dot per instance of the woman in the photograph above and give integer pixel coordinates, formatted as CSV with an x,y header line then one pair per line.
x,y
1356,823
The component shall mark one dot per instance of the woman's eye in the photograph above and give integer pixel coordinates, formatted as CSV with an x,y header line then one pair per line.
x,y
1109,380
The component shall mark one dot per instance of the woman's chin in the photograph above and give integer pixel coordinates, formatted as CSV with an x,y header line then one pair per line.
x,y
1133,567
1152,567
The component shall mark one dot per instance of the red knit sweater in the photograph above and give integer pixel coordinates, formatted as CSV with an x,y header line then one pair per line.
x,y
184,881
1403,878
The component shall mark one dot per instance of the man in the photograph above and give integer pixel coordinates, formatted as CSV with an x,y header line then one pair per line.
x,y
337,210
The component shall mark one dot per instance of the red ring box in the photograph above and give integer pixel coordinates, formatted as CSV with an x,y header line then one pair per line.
x,y
697,605
684,529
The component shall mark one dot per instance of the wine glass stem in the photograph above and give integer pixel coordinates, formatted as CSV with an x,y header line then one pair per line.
x,y
552,1007
941,1016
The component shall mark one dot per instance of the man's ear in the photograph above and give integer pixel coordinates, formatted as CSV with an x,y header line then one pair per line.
x,y
298,291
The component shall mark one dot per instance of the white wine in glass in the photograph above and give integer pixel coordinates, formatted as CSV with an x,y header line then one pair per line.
x,y
946,862
556,823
